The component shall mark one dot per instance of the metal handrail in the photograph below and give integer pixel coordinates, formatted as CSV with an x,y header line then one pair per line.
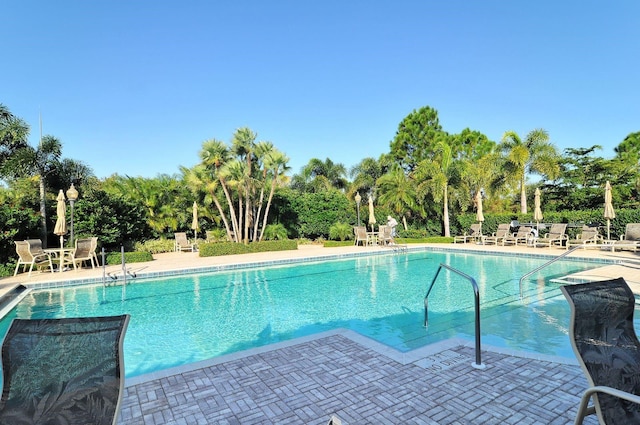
x,y
548,263
478,364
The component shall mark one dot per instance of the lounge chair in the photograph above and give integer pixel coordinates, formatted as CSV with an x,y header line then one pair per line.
x,y
520,237
63,371
555,237
475,234
589,238
630,240
182,243
30,254
604,341
498,236
84,251
360,234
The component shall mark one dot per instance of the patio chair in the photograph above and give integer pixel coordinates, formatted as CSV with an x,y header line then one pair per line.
x,y
498,236
182,243
605,343
385,235
475,234
360,233
555,237
631,238
589,238
520,237
30,254
63,371
84,251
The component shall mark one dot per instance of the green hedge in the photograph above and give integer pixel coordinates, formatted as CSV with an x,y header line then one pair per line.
x,y
231,248
114,258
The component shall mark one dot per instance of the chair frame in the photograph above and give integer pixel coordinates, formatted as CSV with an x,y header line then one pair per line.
x,y
360,233
605,343
84,251
557,236
631,238
522,235
29,254
499,235
182,243
475,234
589,238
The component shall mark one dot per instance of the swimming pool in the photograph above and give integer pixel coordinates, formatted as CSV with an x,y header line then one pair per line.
x,y
180,320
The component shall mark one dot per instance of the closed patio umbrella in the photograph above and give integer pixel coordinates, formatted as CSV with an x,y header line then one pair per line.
x,y
479,214
609,213
372,217
194,222
537,212
61,223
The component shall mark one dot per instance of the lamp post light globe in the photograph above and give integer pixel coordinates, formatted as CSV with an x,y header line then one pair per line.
x,y
72,195
358,199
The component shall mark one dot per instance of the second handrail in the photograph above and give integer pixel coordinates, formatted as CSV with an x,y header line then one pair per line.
x,y
548,263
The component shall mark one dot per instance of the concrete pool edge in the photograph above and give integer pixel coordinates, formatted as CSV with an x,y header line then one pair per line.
x,y
425,356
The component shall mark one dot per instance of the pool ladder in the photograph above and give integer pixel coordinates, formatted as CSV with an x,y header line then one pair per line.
x,y
478,363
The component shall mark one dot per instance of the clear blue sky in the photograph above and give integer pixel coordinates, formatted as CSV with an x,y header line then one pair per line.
x,y
134,87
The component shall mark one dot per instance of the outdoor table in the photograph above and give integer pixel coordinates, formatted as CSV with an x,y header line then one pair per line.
x,y
56,252
372,238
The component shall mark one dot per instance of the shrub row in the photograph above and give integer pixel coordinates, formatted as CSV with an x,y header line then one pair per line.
x,y
114,258
231,248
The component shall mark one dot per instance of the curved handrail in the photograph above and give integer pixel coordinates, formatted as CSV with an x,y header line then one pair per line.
x,y
548,263
478,364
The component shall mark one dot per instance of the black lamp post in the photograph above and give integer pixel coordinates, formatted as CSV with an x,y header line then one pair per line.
x,y
72,195
358,200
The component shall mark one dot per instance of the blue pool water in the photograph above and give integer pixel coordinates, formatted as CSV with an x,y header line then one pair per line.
x,y
180,320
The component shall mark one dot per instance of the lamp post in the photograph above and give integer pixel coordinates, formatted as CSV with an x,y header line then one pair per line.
x,y
358,200
72,195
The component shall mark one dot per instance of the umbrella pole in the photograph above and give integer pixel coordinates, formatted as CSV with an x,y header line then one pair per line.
x,y
61,252
608,229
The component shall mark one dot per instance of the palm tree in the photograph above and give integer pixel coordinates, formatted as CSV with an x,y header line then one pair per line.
x,y
397,192
320,175
533,155
276,162
13,137
435,175
243,145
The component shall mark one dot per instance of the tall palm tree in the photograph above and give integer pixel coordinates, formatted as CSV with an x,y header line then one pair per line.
x,y
276,162
243,145
214,155
534,154
435,175
37,162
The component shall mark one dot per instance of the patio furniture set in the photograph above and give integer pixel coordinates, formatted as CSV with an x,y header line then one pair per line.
x,y
31,254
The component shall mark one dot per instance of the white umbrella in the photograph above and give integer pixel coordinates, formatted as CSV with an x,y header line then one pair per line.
x,y
609,213
372,217
61,223
194,222
537,212
479,214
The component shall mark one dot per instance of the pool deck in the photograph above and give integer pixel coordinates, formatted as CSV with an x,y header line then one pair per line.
x,y
306,380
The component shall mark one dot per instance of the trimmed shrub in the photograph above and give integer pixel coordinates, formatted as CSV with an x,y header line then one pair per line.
x,y
232,248
155,246
114,258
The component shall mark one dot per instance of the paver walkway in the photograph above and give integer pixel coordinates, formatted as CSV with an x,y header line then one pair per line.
x,y
308,382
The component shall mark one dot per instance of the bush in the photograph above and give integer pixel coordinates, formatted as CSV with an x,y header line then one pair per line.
x,y
340,231
275,231
155,246
114,258
232,248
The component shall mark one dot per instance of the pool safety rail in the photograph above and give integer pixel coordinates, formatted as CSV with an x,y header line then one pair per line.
x,y
478,363
115,275
548,263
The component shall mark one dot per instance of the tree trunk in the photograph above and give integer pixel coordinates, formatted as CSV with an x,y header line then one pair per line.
x,y
43,213
232,211
266,210
523,196
445,213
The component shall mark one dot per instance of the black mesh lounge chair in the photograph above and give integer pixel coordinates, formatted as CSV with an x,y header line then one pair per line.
x,y
605,343
63,371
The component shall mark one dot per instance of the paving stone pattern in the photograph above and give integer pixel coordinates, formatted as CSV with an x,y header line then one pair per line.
x,y
308,382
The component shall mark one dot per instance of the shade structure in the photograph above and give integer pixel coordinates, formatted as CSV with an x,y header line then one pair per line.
x,y
537,212
61,222
609,213
372,217
478,199
194,222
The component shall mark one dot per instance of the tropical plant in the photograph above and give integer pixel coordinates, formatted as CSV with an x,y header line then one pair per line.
x,y
534,154
318,176
275,231
340,231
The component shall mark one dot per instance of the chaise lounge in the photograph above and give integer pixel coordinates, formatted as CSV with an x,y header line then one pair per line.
x,y
604,341
475,234
555,237
499,235
63,371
